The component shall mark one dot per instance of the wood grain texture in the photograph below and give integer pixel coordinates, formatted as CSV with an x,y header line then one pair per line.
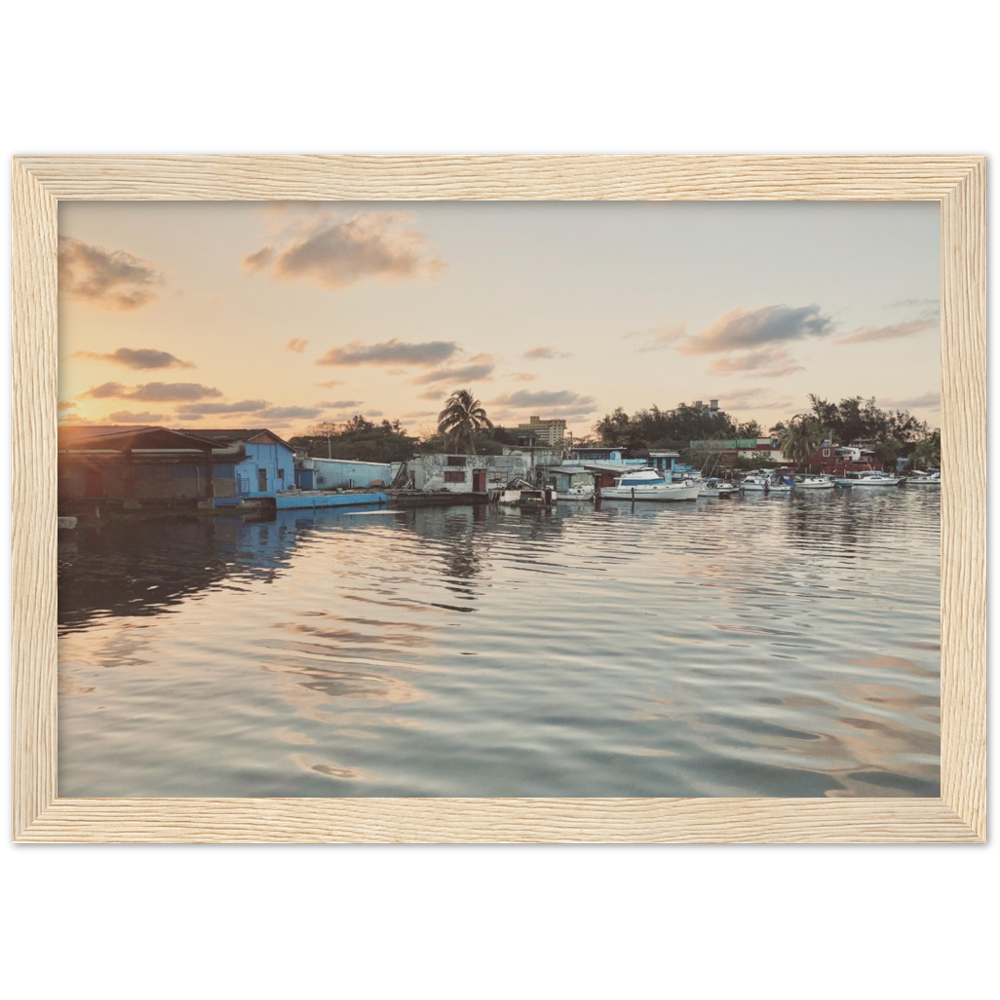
x,y
958,182
963,522
501,821
33,555
563,178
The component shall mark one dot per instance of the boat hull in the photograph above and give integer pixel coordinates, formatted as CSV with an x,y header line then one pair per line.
x,y
654,494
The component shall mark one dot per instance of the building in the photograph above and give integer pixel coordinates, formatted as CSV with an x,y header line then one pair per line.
x,y
342,474
466,473
598,453
760,449
252,462
133,466
835,459
544,432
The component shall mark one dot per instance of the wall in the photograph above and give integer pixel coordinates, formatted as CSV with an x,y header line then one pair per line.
x,y
436,472
334,473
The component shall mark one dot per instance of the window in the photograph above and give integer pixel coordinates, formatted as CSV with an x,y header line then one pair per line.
x,y
456,460
826,452
281,474
456,476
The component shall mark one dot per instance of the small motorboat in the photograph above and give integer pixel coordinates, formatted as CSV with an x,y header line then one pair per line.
x,y
924,479
868,479
814,483
766,482
715,488
583,493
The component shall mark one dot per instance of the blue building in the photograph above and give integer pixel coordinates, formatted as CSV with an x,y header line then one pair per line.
x,y
255,461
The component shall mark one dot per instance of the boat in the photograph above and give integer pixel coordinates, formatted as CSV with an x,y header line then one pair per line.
x,y
868,479
924,479
715,488
520,493
648,484
582,493
814,483
766,482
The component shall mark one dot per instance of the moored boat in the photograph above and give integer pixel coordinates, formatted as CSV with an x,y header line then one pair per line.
x,y
868,479
814,483
648,484
924,479
582,493
715,488
766,482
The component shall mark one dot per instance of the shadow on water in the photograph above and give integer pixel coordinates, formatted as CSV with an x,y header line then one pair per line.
x,y
140,568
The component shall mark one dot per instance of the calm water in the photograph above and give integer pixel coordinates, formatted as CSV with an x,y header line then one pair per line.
x,y
779,646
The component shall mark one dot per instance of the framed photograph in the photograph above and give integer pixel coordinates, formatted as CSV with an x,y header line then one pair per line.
x,y
499,499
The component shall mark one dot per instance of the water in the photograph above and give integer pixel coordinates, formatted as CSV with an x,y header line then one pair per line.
x,y
770,645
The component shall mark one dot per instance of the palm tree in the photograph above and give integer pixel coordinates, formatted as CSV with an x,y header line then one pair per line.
x,y
462,417
801,438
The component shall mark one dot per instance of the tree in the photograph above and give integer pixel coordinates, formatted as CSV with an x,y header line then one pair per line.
x,y
801,437
928,451
461,419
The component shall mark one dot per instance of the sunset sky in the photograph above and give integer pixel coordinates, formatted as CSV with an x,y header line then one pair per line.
x,y
241,314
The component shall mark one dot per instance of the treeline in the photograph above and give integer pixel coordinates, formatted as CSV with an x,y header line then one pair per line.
x,y
675,429
358,440
363,440
891,434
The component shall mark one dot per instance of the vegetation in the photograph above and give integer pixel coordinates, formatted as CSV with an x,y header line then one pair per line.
x,y
462,418
927,454
801,438
358,439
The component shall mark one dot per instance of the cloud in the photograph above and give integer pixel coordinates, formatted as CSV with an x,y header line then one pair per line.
x,y
754,399
769,362
892,331
390,352
545,353
333,383
525,398
335,253
65,404
658,337
745,329
110,279
374,413
926,401
289,412
341,404
153,392
480,366
128,417
242,406
138,358
297,344
522,376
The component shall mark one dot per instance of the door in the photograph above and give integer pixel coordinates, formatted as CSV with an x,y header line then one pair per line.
x,y
479,480
262,480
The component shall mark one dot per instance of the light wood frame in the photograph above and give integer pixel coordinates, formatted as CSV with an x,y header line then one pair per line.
x,y
956,182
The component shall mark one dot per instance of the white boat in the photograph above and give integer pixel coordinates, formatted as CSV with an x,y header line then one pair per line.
x,y
585,493
924,479
766,482
868,479
814,483
715,488
648,484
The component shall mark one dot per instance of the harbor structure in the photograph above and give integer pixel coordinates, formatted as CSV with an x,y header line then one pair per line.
x,y
342,474
456,473
766,450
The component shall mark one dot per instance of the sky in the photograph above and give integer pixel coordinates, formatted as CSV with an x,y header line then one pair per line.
x,y
282,315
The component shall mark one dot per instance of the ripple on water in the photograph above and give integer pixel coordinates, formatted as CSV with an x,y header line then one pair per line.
x,y
767,646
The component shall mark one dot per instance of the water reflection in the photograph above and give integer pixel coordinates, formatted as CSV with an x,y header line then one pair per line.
x,y
777,646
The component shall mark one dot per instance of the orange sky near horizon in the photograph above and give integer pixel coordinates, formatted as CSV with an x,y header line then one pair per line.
x,y
240,314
